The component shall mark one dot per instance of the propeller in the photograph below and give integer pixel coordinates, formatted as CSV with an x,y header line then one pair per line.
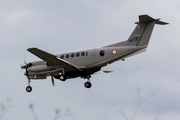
x,y
27,73
26,67
52,80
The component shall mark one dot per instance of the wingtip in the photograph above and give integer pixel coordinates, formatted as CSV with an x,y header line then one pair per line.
x,y
31,48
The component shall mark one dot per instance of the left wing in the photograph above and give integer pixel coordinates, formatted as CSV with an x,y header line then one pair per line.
x,y
52,59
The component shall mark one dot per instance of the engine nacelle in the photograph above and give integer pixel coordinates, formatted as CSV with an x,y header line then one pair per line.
x,y
44,68
37,77
41,68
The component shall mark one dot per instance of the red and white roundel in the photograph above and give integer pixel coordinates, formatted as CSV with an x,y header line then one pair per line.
x,y
114,51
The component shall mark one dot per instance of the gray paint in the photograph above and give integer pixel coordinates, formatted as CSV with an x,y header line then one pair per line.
x,y
92,61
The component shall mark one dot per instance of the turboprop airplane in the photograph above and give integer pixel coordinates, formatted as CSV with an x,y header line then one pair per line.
x,y
87,62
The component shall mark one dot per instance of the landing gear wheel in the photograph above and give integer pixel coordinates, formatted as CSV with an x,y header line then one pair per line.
x,y
87,84
28,88
62,77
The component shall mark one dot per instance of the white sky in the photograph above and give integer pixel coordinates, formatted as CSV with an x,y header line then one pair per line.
x,y
63,26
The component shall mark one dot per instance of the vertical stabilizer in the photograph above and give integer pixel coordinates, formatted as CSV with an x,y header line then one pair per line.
x,y
142,32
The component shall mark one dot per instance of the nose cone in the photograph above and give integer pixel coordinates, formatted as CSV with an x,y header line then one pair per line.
x,y
26,66
23,67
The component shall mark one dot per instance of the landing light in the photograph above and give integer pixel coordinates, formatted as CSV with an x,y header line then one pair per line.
x,y
107,63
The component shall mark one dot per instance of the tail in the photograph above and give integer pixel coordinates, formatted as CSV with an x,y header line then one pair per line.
x,y
142,32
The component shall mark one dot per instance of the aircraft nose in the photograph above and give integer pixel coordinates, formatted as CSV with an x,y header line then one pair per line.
x,y
26,66
23,67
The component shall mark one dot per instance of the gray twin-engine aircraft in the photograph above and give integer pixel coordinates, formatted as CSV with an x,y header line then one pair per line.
x,y
87,62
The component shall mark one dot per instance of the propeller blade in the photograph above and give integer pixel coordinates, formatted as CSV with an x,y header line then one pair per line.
x,y
27,73
52,80
25,66
25,62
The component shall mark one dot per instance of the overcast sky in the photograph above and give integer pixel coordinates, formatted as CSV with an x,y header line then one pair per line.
x,y
58,26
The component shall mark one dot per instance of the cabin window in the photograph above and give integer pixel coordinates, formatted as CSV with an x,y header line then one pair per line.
x,y
83,53
67,56
102,53
72,55
77,54
62,57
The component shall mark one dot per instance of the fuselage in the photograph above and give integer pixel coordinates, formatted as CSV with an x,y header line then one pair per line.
x,y
92,59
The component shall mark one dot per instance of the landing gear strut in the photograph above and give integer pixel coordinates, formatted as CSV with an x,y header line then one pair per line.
x,y
62,77
88,83
29,88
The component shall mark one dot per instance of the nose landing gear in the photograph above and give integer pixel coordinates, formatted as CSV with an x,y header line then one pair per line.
x,y
29,88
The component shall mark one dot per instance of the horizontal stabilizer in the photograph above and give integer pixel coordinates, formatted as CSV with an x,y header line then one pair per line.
x,y
103,71
147,19
161,23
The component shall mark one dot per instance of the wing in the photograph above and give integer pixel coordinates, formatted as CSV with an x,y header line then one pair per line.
x,y
52,59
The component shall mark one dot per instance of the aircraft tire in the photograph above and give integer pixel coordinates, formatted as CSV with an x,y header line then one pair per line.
x,y
28,88
62,77
87,84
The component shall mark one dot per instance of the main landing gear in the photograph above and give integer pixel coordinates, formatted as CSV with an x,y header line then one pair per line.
x,y
88,83
62,77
